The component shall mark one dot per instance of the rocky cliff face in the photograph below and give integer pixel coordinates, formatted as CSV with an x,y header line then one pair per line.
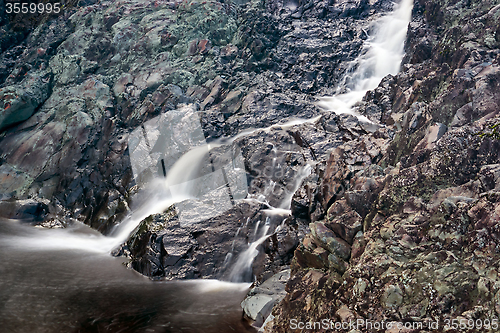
x,y
408,233
76,85
401,220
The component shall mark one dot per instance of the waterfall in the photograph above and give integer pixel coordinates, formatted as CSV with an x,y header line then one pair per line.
x,y
159,195
46,285
57,291
182,183
242,269
179,185
302,174
382,55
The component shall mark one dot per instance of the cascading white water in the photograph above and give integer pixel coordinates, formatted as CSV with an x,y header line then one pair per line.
x,y
159,196
52,290
73,290
302,174
176,187
243,265
383,54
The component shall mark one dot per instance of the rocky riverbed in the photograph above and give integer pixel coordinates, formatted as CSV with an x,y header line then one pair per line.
x,y
80,83
411,236
393,222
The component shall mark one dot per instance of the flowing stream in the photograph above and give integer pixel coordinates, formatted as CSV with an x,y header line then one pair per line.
x,y
65,280
382,55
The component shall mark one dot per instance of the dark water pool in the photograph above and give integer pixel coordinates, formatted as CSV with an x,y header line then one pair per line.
x,y
69,290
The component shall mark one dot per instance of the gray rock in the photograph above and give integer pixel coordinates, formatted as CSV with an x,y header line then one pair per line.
x,y
20,102
257,306
337,264
490,177
25,210
392,296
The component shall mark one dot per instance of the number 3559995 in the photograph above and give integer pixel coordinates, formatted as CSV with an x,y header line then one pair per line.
x,y
25,8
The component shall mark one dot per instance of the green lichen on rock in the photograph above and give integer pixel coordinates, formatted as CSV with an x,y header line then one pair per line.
x,y
19,102
427,247
493,131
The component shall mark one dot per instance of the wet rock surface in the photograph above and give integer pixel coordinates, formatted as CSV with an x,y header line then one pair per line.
x,y
420,211
77,84
163,249
396,222
257,306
